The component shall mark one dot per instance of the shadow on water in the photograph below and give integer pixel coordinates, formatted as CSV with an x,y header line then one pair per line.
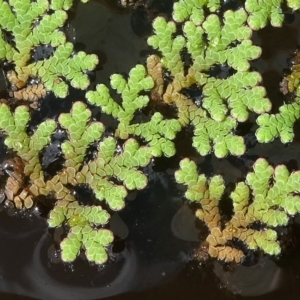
x,y
152,254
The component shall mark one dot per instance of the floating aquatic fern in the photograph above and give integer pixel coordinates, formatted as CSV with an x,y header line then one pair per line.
x,y
220,48
193,10
228,43
35,23
169,47
157,132
83,222
27,148
236,95
107,164
261,11
240,91
268,196
281,124
110,162
293,4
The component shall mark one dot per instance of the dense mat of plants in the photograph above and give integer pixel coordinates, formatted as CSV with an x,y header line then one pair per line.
x,y
199,37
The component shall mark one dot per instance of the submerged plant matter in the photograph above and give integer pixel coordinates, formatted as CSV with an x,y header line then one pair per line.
x,y
292,81
268,197
203,71
281,124
27,25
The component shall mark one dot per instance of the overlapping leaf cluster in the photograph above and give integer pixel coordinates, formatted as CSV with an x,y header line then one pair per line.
x,y
268,197
224,101
26,25
157,132
113,170
27,148
293,4
263,11
109,174
281,124
207,42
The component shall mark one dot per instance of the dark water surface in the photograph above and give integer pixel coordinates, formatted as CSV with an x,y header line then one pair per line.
x,y
145,259
156,233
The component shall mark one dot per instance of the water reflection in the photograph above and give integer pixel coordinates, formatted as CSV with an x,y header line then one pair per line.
x,y
152,256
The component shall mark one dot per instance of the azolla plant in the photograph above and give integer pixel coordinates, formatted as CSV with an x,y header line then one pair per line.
x,y
97,174
157,131
268,196
32,24
224,102
203,48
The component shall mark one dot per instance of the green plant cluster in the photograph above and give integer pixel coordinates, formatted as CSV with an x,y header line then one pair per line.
x,y
27,147
83,222
37,23
293,4
268,196
189,57
157,132
225,102
281,124
193,10
109,166
261,11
